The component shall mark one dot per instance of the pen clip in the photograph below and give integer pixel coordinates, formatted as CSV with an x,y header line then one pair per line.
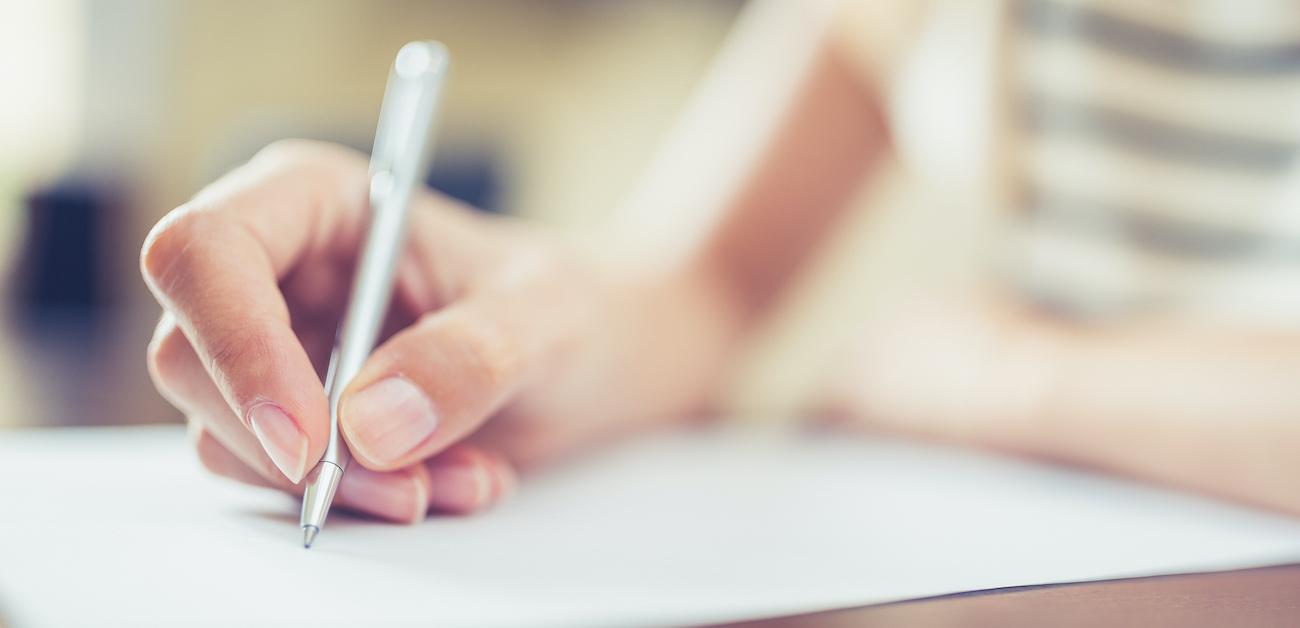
x,y
403,140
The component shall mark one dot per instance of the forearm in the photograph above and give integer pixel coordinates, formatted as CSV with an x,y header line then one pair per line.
x,y
762,162
1211,409
1207,408
751,180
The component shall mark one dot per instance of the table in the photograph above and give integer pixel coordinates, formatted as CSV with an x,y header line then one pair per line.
x,y
1268,596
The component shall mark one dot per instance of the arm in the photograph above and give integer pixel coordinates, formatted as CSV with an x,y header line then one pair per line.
x,y
763,160
1212,409
508,345
1208,408
754,176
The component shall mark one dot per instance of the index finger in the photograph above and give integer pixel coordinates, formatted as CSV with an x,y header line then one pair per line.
x,y
215,264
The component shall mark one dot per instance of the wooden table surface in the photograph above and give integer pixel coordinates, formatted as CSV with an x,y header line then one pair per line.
x,y
1241,599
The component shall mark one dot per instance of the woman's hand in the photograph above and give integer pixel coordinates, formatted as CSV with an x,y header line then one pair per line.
x,y
507,347
964,368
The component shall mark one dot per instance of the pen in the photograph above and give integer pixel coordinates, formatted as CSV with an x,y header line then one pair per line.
x,y
403,148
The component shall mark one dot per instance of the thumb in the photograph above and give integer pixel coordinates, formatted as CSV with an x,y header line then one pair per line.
x,y
435,382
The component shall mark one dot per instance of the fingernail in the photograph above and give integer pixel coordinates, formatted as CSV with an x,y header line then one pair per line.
x,y
281,438
395,496
388,419
458,487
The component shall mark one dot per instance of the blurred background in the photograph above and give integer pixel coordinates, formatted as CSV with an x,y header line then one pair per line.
x,y
115,111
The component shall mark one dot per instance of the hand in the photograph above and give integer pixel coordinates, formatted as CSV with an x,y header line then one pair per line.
x,y
490,320
963,368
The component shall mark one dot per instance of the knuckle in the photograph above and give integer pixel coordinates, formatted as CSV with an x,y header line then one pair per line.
x,y
166,247
239,359
332,171
310,154
487,351
288,150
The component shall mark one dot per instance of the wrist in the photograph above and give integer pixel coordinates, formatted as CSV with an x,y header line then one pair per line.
x,y
1028,376
681,330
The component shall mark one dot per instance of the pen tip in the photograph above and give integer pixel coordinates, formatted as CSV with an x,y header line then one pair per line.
x,y
309,535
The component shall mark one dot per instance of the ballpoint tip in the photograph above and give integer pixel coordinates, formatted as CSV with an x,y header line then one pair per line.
x,y
309,535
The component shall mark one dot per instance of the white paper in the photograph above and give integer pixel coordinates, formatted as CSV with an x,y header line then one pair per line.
x,y
119,527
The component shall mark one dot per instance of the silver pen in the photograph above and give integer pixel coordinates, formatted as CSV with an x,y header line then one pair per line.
x,y
403,148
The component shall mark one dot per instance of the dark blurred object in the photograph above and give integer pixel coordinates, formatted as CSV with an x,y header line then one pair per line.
x,y
473,178
1250,597
64,309
62,275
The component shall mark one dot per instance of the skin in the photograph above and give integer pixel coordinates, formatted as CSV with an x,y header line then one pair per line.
x,y
526,345
252,294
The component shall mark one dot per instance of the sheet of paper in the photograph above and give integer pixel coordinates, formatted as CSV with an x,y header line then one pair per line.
x,y
119,527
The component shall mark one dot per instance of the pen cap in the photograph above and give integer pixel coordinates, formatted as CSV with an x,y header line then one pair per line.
x,y
403,139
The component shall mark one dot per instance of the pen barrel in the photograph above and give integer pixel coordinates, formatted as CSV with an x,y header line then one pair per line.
x,y
372,290
399,161
401,155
